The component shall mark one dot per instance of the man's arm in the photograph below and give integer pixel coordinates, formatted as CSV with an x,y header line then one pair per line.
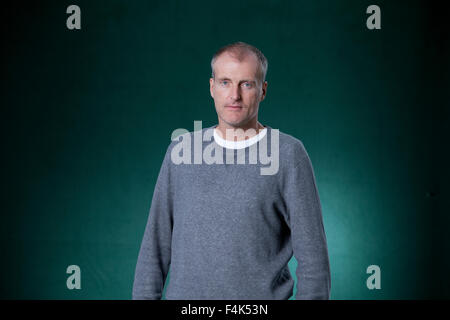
x,y
155,252
307,231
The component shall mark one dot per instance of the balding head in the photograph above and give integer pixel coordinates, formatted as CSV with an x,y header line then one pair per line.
x,y
239,51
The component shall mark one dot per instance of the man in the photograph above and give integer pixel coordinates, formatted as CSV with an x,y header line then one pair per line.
x,y
225,230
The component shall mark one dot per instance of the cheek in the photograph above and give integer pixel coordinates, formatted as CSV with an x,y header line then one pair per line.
x,y
220,101
252,98
217,93
222,97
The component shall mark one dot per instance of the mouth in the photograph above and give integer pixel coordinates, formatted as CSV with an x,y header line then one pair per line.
x,y
232,107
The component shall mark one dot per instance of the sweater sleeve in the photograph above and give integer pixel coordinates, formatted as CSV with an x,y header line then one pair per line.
x,y
307,230
154,256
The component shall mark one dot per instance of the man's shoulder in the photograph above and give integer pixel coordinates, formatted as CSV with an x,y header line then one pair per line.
x,y
180,134
186,139
291,147
289,141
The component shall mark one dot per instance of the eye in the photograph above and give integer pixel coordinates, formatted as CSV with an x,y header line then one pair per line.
x,y
224,82
247,84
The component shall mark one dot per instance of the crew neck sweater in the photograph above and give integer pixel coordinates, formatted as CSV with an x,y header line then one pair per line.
x,y
227,232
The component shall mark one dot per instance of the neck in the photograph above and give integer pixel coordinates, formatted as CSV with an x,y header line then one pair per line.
x,y
239,133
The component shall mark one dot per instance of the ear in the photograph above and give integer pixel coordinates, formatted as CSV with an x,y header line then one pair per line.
x,y
264,90
211,87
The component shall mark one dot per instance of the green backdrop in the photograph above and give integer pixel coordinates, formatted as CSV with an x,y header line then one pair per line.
x,y
87,116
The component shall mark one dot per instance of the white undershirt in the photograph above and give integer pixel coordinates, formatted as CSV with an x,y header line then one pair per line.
x,y
238,144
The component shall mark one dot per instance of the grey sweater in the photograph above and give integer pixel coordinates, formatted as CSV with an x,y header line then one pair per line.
x,y
228,232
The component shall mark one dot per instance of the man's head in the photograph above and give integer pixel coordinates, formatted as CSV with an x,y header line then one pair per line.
x,y
238,84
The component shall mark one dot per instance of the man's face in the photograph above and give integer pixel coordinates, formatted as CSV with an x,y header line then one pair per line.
x,y
237,89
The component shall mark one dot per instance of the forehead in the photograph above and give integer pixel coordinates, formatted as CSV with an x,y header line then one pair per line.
x,y
230,66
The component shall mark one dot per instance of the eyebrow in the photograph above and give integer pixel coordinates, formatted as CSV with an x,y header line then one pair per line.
x,y
252,81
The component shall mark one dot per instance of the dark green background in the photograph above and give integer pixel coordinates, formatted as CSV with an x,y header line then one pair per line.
x,y
87,116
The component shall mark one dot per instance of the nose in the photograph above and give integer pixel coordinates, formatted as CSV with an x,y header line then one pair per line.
x,y
235,93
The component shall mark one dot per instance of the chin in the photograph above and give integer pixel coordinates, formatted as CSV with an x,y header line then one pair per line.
x,y
234,123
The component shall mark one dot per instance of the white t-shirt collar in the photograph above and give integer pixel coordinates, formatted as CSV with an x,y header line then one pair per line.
x,y
239,144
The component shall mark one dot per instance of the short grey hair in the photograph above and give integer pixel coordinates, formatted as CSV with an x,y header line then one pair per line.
x,y
240,50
